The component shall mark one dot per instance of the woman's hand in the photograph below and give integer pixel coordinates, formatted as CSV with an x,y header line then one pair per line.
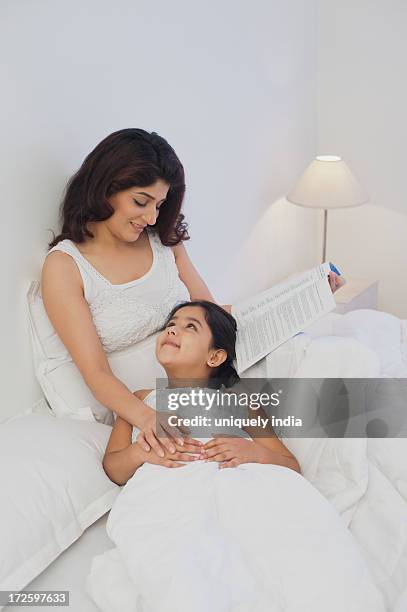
x,y
157,434
335,281
188,452
231,452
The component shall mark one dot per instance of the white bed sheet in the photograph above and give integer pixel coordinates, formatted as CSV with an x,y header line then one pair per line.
x,y
69,571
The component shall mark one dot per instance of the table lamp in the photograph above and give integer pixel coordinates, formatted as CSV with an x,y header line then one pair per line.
x,y
327,183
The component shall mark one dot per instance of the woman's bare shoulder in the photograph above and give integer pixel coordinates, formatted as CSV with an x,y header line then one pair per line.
x,y
60,265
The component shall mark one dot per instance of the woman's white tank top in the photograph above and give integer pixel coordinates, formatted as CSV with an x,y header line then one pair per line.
x,y
127,313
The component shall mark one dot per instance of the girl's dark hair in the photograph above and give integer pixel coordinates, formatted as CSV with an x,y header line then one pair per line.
x,y
223,328
127,158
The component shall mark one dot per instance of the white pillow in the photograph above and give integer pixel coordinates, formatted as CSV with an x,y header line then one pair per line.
x,y
62,383
380,331
53,487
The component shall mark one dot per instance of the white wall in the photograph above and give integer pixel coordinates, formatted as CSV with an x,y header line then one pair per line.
x,y
230,85
362,101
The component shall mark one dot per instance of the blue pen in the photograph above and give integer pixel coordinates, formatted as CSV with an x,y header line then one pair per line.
x,y
334,269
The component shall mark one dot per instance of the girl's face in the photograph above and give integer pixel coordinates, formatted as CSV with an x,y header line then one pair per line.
x,y
183,347
134,209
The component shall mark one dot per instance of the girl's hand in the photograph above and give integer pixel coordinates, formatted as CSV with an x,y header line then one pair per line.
x,y
188,452
156,433
231,452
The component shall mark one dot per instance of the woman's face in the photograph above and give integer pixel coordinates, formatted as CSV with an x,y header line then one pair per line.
x,y
184,345
134,209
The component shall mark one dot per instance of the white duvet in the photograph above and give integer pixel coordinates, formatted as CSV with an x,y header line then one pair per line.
x,y
262,537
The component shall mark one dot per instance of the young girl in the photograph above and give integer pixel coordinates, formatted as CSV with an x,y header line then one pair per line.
x,y
196,343
255,538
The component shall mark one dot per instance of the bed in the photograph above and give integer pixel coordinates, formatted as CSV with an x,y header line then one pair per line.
x,y
69,570
370,495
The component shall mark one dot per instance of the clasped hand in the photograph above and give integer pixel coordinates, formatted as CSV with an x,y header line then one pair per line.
x,y
227,451
171,447
231,452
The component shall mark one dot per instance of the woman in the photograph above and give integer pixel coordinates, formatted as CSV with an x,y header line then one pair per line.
x,y
258,538
107,281
119,264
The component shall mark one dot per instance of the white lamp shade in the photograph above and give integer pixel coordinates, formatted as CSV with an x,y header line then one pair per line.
x,y
328,183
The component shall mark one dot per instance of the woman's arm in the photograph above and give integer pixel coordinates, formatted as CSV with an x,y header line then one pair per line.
x,y
197,288
68,311
189,275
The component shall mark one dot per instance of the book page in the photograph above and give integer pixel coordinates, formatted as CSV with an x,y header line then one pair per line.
x,y
270,318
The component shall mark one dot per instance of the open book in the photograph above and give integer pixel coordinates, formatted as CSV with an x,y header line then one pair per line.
x,y
270,318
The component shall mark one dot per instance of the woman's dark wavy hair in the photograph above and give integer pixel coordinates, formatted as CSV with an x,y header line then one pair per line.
x,y
223,328
124,159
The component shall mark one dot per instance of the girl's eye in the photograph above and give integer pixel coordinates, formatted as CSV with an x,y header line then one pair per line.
x,y
171,324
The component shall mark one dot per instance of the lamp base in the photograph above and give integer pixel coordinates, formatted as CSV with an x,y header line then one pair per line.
x,y
325,234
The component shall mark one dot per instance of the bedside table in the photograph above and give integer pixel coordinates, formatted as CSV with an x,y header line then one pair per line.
x,y
357,293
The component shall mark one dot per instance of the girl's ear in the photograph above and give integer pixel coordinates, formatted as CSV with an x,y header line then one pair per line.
x,y
216,358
